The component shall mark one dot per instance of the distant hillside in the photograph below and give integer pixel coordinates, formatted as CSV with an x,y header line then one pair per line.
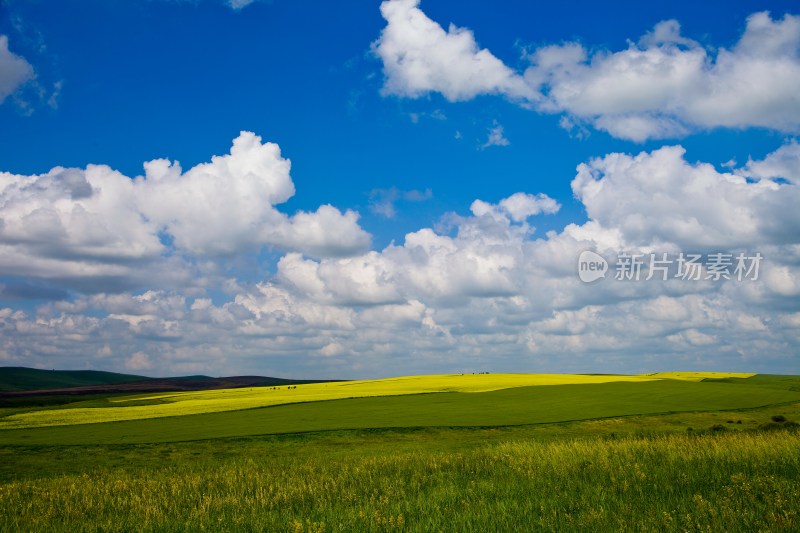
x,y
26,382
15,378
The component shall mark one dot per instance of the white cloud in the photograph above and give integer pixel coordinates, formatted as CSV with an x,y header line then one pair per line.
x,y
667,85
783,163
689,205
327,232
226,206
222,206
518,207
482,292
666,32
496,137
420,57
95,222
72,223
484,258
14,70
664,86
490,288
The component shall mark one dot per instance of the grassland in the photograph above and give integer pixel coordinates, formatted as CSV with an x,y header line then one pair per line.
x,y
728,482
505,407
149,406
673,454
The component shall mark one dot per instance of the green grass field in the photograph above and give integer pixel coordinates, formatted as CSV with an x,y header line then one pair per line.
x,y
539,388
662,452
506,407
172,404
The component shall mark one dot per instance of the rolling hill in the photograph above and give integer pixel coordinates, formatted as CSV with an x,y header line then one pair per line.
x,y
18,382
17,378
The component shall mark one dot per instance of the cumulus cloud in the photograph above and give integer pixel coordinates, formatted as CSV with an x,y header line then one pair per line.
x,y
96,222
664,86
14,70
226,206
491,288
668,85
485,257
481,291
72,223
518,207
420,57
691,205
782,164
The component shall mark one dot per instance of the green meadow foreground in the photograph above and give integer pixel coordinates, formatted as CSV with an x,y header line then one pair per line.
x,y
674,452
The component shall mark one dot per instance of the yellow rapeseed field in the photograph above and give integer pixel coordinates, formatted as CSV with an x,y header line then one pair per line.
x,y
190,403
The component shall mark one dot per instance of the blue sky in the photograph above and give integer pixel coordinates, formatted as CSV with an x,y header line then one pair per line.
x,y
395,122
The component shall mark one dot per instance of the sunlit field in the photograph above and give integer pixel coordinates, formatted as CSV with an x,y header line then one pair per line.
x,y
190,403
514,452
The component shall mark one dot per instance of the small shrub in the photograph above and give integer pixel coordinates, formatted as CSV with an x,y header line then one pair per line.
x,y
718,427
738,421
778,418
